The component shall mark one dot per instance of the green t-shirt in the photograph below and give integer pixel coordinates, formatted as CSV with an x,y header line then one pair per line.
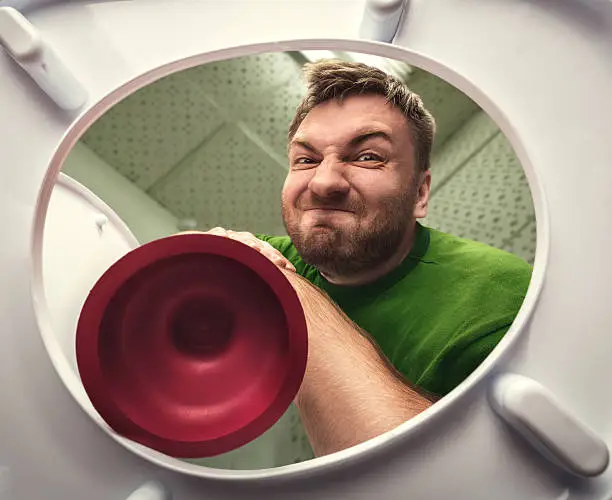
x,y
440,312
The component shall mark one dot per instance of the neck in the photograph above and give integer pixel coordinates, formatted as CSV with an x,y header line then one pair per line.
x,y
374,273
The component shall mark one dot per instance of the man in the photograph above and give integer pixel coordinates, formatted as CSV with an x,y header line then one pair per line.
x,y
433,305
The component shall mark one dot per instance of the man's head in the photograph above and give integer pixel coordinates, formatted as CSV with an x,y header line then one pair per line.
x,y
359,148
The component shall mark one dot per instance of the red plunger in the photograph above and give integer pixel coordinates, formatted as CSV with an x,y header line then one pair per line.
x,y
192,345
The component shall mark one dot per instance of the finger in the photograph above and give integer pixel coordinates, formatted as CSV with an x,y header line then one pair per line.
x,y
275,251
279,257
281,262
190,232
270,248
219,231
242,234
253,244
244,237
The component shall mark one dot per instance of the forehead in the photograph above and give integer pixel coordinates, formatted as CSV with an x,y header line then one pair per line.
x,y
336,122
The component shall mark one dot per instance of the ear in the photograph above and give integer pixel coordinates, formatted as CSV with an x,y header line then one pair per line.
x,y
422,198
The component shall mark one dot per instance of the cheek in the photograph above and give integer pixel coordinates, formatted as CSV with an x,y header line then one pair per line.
x,y
381,200
293,187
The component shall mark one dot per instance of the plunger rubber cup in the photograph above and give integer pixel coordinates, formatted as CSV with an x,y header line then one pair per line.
x,y
192,345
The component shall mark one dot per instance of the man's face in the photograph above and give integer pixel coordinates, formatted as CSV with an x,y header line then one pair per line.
x,y
352,193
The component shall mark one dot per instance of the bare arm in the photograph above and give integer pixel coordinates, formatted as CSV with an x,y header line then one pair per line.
x,y
350,392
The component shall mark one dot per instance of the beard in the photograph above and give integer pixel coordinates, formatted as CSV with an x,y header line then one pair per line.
x,y
341,249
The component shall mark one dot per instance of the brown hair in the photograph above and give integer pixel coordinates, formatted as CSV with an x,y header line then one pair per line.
x,y
329,79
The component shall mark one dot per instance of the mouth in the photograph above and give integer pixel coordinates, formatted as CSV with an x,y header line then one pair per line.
x,y
328,209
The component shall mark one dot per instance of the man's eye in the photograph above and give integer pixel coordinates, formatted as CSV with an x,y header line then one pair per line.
x,y
303,162
368,157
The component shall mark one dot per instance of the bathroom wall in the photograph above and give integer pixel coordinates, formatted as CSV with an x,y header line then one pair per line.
x,y
146,218
479,190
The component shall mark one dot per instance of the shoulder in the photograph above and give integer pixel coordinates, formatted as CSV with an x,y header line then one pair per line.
x,y
476,291
487,284
475,260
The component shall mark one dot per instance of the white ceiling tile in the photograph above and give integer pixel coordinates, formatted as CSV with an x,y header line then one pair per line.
x,y
146,134
230,182
237,84
271,116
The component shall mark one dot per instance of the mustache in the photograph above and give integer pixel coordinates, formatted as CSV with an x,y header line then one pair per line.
x,y
316,202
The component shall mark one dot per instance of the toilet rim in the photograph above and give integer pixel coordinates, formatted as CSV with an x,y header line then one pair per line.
x,y
370,448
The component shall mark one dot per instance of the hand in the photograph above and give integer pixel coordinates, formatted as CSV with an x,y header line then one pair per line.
x,y
251,240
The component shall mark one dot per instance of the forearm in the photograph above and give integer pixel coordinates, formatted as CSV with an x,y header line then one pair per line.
x,y
350,392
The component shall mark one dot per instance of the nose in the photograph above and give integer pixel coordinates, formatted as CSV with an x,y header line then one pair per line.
x,y
329,180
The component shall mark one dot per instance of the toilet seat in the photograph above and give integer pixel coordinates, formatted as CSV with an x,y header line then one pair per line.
x,y
556,120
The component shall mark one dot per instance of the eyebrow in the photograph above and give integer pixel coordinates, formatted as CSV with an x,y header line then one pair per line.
x,y
370,135
356,141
